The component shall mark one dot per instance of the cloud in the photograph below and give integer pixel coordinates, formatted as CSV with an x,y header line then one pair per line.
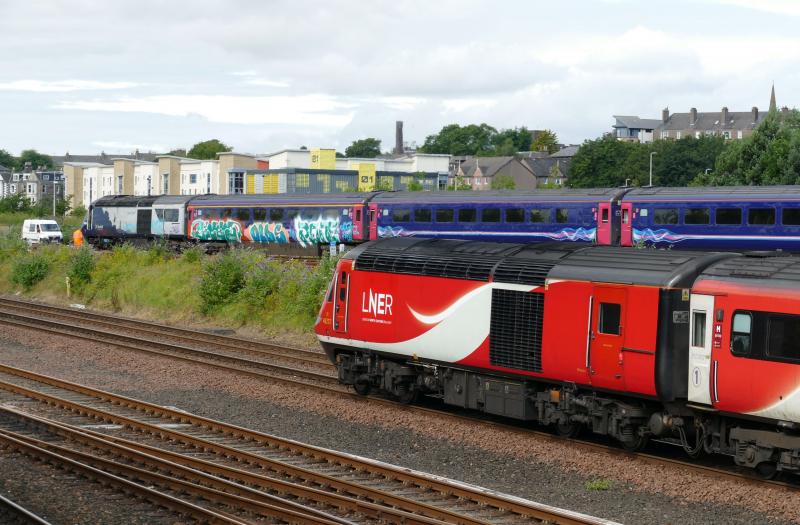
x,y
128,146
783,7
267,83
307,110
44,86
463,104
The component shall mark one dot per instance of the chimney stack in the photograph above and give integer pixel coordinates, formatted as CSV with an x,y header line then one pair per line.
x,y
692,116
665,115
755,114
724,121
398,138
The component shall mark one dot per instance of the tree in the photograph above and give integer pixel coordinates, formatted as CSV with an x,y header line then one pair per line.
x,y
7,159
546,140
208,149
513,140
35,158
368,148
453,139
414,185
178,152
503,182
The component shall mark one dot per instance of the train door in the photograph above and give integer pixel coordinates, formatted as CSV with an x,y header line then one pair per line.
x,y
604,223
143,221
358,222
606,337
625,220
373,221
340,301
701,369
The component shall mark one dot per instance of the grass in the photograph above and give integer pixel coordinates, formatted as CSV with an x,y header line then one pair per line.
x,y
599,484
270,297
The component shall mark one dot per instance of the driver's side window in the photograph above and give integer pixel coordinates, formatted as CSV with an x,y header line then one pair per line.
x,y
742,333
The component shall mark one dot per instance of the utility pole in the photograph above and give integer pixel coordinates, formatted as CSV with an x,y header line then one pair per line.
x,y
651,167
54,196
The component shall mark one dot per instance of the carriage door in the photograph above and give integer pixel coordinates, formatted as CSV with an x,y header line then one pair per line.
x,y
373,221
143,221
604,223
340,302
606,337
625,220
702,373
357,214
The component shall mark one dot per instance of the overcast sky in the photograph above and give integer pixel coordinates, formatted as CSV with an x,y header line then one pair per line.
x,y
84,75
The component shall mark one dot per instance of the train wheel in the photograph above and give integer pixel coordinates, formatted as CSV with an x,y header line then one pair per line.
x,y
362,387
767,469
407,396
636,445
568,430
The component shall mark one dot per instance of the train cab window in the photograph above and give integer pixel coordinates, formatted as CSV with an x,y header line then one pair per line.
x,y
275,214
761,216
259,214
540,216
697,216
665,216
741,333
791,216
243,214
729,216
562,215
515,215
467,215
610,315
444,214
422,215
490,215
401,215
783,335
699,329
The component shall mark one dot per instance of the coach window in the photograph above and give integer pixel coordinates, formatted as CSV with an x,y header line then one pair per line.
x,y
444,215
171,215
665,216
761,216
729,216
225,213
784,333
604,215
515,215
276,214
291,213
422,215
741,333
208,214
467,215
562,215
243,214
259,214
696,216
791,216
401,215
490,215
331,213
540,216
699,329
610,314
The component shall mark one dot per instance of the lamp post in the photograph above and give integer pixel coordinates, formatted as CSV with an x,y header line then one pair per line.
x,y
651,167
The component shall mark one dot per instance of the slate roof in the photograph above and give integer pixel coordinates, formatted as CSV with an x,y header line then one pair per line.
x,y
59,160
565,152
737,120
541,167
489,165
632,122
3,169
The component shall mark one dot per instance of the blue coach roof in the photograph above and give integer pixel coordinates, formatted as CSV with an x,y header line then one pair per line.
x,y
715,193
282,199
460,197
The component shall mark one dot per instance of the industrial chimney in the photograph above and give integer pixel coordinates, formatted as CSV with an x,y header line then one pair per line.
x,y
398,138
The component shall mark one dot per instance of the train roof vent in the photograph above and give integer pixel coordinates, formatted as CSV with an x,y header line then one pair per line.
x,y
472,268
522,271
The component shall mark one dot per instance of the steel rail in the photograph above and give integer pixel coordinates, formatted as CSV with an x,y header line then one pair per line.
x,y
22,513
510,504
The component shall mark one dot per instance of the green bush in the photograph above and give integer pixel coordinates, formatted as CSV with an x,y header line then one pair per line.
x,y
221,280
81,267
261,282
192,255
12,245
29,271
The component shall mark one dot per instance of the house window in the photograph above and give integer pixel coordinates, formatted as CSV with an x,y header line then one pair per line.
x,y
698,134
208,183
677,134
726,134
739,134
119,184
665,134
236,183
193,178
165,183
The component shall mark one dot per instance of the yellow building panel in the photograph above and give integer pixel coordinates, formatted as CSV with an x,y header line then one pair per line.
x,y
271,183
301,180
325,182
386,183
342,185
323,159
251,184
366,176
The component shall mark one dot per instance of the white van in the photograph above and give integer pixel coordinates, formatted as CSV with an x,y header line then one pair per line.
x,y
41,231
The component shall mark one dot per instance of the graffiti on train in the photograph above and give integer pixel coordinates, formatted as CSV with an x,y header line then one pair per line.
x,y
321,231
267,233
216,230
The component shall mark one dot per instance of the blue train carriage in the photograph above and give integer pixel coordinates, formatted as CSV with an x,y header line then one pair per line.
x,y
566,215
735,217
118,218
279,221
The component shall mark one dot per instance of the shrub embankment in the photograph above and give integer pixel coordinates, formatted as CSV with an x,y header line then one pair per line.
x,y
235,288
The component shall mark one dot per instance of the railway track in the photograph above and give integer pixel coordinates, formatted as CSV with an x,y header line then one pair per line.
x,y
236,473
13,513
325,382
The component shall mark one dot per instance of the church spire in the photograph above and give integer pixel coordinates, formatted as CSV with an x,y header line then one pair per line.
x,y
773,105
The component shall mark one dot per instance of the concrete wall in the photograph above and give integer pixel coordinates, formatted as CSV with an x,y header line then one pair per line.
x,y
229,161
73,175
